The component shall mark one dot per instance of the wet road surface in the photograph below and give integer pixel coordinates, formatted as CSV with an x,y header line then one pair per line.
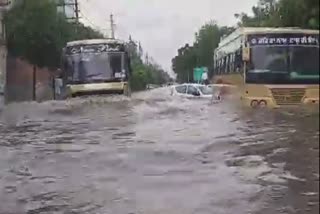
x,y
154,154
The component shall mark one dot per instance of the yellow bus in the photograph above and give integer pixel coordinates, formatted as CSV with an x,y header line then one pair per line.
x,y
271,66
95,66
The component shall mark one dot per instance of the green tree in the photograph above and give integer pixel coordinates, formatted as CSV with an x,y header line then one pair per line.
x,y
283,13
37,32
144,73
201,53
267,13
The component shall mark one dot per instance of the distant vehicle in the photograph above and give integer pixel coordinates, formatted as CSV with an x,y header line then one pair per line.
x,y
95,66
193,90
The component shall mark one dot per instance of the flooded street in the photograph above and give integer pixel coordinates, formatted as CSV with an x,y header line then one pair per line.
x,y
153,154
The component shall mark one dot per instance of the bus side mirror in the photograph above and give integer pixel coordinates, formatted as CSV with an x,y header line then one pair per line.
x,y
246,54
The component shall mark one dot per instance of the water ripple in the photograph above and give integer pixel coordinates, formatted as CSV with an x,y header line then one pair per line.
x,y
152,153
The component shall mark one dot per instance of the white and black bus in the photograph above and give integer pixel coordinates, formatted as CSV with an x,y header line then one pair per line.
x,y
92,67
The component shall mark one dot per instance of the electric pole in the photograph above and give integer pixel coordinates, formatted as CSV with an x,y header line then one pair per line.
x,y
76,10
71,4
112,26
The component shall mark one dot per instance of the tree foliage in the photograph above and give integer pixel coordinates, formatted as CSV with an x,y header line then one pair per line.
x,y
200,53
37,32
144,72
267,13
283,13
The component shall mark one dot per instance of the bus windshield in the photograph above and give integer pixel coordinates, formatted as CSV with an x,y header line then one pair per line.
x,y
94,67
284,65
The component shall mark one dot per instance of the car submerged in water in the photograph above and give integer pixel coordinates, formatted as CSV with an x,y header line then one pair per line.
x,y
191,90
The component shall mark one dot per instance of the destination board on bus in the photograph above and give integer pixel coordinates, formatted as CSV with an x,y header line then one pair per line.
x,y
95,48
284,39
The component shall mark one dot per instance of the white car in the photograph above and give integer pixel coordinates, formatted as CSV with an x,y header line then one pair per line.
x,y
193,90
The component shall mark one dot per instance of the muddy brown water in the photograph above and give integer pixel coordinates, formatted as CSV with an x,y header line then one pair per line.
x,y
154,154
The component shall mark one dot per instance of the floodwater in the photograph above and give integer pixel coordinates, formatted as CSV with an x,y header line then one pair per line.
x,y
154,154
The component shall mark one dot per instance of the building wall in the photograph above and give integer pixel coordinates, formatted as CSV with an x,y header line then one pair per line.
x,y
20,81
16,75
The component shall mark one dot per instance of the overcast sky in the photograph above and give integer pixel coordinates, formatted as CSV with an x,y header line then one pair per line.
x,y
162,26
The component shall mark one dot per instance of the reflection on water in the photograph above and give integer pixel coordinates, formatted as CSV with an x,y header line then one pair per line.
x,y
154,154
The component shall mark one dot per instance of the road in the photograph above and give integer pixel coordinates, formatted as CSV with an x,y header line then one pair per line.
x,y
154,154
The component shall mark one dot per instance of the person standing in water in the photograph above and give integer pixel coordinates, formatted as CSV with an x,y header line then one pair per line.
x,y
204,78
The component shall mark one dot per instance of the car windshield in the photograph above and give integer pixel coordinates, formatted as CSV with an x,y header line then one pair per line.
x,y
205,90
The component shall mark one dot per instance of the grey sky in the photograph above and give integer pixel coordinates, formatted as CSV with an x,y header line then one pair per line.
x,y
161,25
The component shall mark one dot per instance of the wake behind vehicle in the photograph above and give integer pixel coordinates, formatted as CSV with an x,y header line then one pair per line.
x,y
271,67
92,67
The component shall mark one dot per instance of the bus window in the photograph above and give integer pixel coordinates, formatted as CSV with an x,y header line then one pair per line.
x,y
238,61
231,63
222,66
226,69
116,63
228,64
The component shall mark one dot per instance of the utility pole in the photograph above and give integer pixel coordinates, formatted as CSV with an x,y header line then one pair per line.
x,y
71,4
112,27
77,11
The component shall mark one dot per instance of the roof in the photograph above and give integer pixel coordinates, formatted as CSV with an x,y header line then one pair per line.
x,y
257,30
94,41
238,34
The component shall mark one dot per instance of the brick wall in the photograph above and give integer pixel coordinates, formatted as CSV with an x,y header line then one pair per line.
x,y
20,81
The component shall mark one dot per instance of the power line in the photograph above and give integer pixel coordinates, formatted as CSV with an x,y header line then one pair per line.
x,y
76,9
92,23
111,29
